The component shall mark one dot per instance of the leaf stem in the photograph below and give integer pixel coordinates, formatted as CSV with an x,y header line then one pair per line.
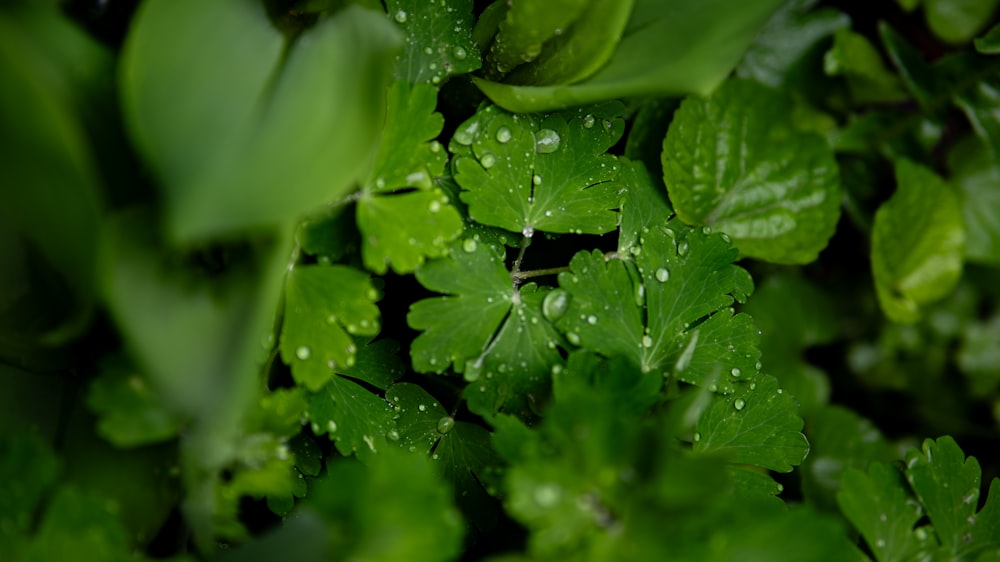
x,y
516,273
522,275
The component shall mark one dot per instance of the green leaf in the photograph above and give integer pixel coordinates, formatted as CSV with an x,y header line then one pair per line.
x,y
757,424
981,105
989,43
958,21
438,40
223,113
793,315
402,229
28,469
645,206
918,243
878,505
735,162
526,26
329,235
461,450
975,173
674,317
780,50
868,80
916,73
668,48
948,486
547,173
324,306
355,418
394,508
131,411
74,523
575,53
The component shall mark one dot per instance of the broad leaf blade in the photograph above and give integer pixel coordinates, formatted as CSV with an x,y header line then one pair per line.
x,y
878,505
918,243
438,40
734,161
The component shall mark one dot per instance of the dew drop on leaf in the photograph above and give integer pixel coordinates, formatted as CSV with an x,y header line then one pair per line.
x,y
445,424
331,426
697,437
647,341
739,404
591,320
468,134
682,248
488,160
393,435
469,245
303,352
434,206
422,408
537,180
547,141
503,135
662,275
588,121
573,337
400,16
460,53
555,304
735,372
547,495
528,232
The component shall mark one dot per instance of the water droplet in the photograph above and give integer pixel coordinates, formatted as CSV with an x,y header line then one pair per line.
x,y
883,517
422,408
468,134
379,183
401,16
588,121
528,232
445,424
753,386
460,53
682,248
758,365
879,543
547,141
488,160
434,206
662,275
303,352
503,135
725,238
435,147
331,318
555,304
647,341
331,426
469,245
591,320
537,180
739,404
697,437
781,391
547,495
736,371
393,435
573,338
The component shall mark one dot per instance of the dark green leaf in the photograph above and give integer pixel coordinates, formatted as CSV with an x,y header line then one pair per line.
x,y
958,21
735,162
438,40
324,306
546,173
975,173
526,26
918,243
868,80
878,505
989,44
131,410
645,206
981,104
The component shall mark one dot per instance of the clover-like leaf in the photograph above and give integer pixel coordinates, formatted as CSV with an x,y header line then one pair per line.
x,y
462,450
918,242
672,314
324,306
948,486
879,506
400,228
645,206
438,40
757,424
734,161
547,173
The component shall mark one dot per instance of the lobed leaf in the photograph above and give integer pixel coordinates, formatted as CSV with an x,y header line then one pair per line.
x,y
437,40
878,505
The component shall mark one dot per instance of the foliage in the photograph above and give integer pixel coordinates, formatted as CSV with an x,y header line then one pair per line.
x,y
454,280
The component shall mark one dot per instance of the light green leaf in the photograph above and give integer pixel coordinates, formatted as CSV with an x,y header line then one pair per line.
x,y
76,522
526,26
324,306
356,420
989,43
976,175
645,206
548,173
757,424
948,486
878,505
457,327
868,80
958,21
579,50
438,40
918,243
735,162
400,230
131,410
395,507
223,114
668,48
674,317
